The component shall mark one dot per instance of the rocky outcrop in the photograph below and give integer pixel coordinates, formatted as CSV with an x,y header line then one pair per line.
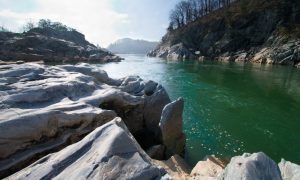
x,y
251,166
109,152
51,45
171,128
257,31
46,108
176,167
289,171
175,52
245,167
209,168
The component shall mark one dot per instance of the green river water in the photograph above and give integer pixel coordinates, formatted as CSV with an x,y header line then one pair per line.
x,y
230,108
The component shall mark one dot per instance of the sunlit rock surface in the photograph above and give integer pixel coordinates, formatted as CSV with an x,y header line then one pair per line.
x,y
289,171
109,152
45,108
176,167
251,166
209,169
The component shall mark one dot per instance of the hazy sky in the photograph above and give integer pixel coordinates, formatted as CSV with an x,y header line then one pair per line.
x,y
102,21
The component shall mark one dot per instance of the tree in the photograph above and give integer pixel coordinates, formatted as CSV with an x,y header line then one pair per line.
x,y
175,19
187,11
58,26
28,26
170,27
3,29
44,23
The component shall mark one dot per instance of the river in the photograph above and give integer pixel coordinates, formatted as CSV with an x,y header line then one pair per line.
x,y
230,108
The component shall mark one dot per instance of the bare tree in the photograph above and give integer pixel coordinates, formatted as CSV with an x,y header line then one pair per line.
x,y
187,11
28,26
3,29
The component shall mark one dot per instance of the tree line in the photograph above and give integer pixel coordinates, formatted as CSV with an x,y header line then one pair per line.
x,y
43,24
188,11
46,23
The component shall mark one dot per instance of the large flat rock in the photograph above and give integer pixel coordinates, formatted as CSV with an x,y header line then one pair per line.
x,y
109,152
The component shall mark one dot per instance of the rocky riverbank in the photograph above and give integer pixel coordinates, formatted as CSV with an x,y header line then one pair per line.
x,y
51,45
75,122
256,31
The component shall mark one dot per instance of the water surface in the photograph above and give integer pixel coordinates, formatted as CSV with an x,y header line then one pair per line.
x,y
230,108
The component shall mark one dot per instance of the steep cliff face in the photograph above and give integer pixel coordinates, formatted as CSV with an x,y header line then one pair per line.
x,y
50,45
254,30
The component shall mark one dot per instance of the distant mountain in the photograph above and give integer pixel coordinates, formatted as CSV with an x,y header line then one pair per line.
x,y
131,46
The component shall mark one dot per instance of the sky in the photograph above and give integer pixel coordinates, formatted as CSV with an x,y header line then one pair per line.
x,y
101,21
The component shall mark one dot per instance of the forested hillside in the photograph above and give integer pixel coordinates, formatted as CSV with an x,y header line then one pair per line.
x,y
262,31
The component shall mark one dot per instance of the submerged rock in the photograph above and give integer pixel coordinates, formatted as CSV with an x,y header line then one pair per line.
x,y
109,152
251,166
45,108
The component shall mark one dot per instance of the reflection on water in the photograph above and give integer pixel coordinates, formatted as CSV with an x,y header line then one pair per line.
x,y
230,108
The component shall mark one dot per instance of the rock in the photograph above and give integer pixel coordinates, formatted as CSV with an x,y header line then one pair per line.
x,y
113,58
179,52
133,85
45,108
3,62
289,171
150,86
109,152
203,58
242,57
210,168
20,62
174,52
261,56
251,166
86,69
154,105
52,46
226,58
156,152
171,128
175,166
